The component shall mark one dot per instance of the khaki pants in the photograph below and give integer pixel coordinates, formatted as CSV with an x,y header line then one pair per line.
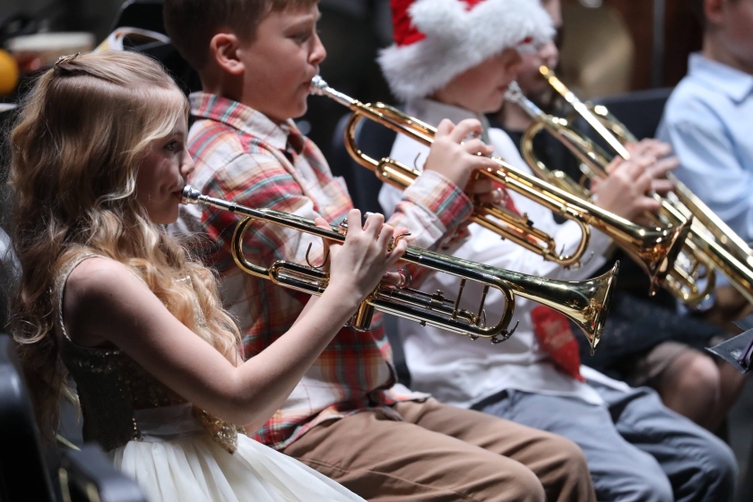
x,y
441,452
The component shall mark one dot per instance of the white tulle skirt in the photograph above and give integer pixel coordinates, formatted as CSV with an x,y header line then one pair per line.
x,y
178,461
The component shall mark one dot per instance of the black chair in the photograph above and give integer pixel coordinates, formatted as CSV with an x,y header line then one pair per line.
x,y
7,118
640,111
27,472
144,14
376,141
23,467
147,15
90,471
9,272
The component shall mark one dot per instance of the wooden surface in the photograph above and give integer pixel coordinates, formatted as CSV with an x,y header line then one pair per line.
x,y
682,35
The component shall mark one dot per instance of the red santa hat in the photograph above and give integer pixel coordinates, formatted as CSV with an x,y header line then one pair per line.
x,y
438,39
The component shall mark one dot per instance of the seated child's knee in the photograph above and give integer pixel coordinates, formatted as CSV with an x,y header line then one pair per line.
x,y
698,375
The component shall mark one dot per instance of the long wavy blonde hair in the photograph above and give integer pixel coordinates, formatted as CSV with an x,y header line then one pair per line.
x,y
76,149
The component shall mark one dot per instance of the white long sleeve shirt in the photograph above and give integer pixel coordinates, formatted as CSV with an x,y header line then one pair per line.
x,y
456,369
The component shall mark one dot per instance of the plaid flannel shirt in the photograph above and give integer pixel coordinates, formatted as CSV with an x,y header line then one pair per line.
x,y
243,156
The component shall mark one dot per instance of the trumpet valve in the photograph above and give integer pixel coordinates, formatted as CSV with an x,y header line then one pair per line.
x,y
361,320
342,227
405,278
437,299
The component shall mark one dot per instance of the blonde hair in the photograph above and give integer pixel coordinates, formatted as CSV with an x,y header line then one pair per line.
x,y
76,149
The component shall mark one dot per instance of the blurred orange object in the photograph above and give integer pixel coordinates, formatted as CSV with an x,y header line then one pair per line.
x,y
8,73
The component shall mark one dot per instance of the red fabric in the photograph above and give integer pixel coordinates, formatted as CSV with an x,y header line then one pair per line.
x,y
553,332
404,32
552,329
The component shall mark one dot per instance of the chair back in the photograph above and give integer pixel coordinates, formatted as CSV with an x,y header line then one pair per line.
x,y
147,15
23,470
640,111
89,471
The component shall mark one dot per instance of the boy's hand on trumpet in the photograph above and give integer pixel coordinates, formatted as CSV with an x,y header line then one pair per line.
x,y
457,152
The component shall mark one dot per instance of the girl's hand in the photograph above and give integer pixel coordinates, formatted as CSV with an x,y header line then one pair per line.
x,y
359,264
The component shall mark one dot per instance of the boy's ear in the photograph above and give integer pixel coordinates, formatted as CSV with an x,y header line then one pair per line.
x,y
713,11
224,50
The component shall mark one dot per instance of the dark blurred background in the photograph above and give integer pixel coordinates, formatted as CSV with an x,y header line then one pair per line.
x,y
610,46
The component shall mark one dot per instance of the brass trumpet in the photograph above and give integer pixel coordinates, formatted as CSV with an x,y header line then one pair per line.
x,y
586,303
654,248
711,245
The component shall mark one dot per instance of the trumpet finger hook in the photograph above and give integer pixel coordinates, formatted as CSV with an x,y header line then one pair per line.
x,y
324,260
504,336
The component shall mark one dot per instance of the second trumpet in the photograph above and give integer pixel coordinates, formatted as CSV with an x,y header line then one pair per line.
x,y
654,248
586,303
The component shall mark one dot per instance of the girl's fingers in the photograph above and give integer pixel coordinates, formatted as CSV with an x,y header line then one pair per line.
x,y
373,223
385,237
397,252
354,222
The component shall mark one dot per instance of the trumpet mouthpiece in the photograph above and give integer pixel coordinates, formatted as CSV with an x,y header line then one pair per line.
x,y
513,92
318,85
190,195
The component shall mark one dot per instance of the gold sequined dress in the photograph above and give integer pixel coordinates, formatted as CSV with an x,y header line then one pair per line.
x,y
174,450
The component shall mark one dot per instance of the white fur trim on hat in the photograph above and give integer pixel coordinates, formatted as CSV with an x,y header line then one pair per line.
x,y
458,39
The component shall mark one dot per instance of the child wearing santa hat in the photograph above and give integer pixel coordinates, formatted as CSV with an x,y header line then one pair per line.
x,y
455,59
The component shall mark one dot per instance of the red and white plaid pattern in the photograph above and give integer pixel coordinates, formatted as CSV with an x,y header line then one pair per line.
x,y
243,156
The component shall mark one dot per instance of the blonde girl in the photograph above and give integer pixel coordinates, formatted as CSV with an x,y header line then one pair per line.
x,y
107,296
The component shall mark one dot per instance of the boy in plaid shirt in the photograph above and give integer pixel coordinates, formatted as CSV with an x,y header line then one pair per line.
x,y
347,417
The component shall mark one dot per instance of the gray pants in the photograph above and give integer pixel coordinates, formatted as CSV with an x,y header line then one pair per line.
x,y
636,449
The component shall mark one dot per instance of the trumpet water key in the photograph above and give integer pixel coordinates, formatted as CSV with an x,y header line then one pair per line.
x,y
655,248
586,303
